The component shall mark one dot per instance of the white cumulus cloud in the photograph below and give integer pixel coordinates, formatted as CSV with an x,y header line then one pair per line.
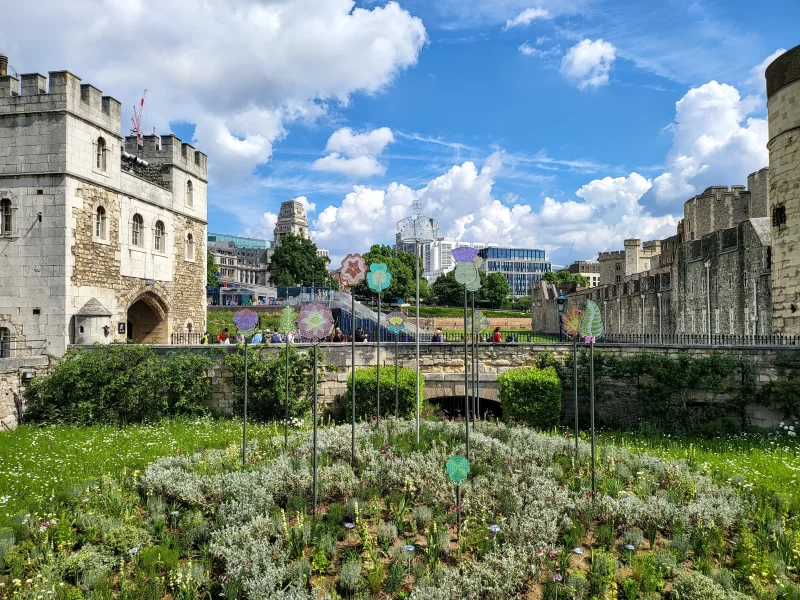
x,y
355,154
526,17
240,71
715,142
588,63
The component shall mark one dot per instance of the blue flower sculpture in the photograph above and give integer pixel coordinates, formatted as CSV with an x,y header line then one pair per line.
x,y
378,278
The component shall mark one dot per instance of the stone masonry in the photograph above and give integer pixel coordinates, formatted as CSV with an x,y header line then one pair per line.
x,y
103,238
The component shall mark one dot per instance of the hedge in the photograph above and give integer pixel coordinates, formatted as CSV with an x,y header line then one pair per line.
x,y
367,393
119,384
531,396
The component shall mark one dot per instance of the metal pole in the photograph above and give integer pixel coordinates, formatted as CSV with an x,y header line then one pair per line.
x,y
314,444
474,376
244,422
396,370
466,378
286,416
575,386
353,373
591,408
458,510
378,357
416,384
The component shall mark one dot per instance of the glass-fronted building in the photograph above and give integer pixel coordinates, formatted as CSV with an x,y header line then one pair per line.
x,y
521,266
240,242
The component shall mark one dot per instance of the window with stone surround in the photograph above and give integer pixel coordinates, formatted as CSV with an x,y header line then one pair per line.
x,y
137,228
100,224
189,194
100,154
189,247
158,237
5,342
6,217
779,216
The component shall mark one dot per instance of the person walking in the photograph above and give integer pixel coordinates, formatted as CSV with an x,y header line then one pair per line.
x,y
276,338
224,337
437,337
337,335
258,338
497,337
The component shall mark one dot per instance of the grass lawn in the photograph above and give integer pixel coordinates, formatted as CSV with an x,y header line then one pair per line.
x,y
219,320
36,462
768,460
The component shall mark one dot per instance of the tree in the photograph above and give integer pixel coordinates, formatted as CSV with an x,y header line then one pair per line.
x,y
564,276
211,270
446,291
295,261
401,265
497,289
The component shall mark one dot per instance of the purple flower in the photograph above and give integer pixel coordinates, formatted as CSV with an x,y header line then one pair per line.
x,y
464,255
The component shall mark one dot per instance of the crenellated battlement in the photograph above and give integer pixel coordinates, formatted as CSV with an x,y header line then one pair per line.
x,y
61,91
611,255
169,150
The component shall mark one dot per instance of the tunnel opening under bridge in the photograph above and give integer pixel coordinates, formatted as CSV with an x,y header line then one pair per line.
x,y
452,407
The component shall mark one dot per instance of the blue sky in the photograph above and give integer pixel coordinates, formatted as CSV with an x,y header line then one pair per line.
x,y
562,124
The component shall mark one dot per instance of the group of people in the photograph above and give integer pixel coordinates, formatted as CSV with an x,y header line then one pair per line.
x,y
497,337
261,337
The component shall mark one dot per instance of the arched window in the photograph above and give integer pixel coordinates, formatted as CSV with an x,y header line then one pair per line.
x,y
6,216
101,154
189,194
137,227
100,224
189,246
158,238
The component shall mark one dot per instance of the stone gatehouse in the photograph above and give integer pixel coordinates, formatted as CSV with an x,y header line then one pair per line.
x,y
103,238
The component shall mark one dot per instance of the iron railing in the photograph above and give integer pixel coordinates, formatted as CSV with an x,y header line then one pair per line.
x,y
185,338
700,339
15,348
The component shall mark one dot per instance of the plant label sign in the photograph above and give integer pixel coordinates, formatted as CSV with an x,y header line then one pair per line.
x,y
457,468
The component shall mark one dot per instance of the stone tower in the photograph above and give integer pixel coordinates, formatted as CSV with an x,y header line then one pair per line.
x,y
292,219
783,108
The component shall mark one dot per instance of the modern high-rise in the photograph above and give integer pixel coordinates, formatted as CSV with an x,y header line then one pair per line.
x,y
521,266
436,257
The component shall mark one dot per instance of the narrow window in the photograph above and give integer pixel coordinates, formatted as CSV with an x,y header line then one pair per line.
x,y
769,258
5,342
189,246
779,216
158,239
5,216
101,154
136,230
716,320
100,224
189,194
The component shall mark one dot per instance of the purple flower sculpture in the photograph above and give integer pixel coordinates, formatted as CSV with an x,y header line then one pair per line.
x,y
246,320
315,321
464,255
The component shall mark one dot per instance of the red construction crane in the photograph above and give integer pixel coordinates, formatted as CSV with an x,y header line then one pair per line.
x,y
136,120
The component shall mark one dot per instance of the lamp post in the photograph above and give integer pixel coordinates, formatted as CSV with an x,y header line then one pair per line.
x,y
417,228
561,302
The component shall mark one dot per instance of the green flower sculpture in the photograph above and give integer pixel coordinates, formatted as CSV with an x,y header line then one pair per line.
x,y
481,322
467,270
288,320
378,278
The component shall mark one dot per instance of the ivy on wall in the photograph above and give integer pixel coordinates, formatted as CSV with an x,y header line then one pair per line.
x,y
784,392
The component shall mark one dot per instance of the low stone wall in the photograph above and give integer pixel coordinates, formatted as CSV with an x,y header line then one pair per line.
x,y
458,323
14,373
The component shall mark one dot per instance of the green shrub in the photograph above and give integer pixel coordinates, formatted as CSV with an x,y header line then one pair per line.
x,y
696,586
266,380
531,396
119,384
367,392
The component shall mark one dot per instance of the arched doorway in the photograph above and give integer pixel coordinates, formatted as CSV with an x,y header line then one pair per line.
x,y
147,320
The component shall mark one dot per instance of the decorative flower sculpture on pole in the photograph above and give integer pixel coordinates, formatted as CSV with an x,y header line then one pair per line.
x,y
572,326
480,321
467,273
246,320
378,279
286,326
315,323
397,325
353,270
591,329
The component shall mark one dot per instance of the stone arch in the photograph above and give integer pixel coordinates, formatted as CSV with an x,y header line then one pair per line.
x,y
147,321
